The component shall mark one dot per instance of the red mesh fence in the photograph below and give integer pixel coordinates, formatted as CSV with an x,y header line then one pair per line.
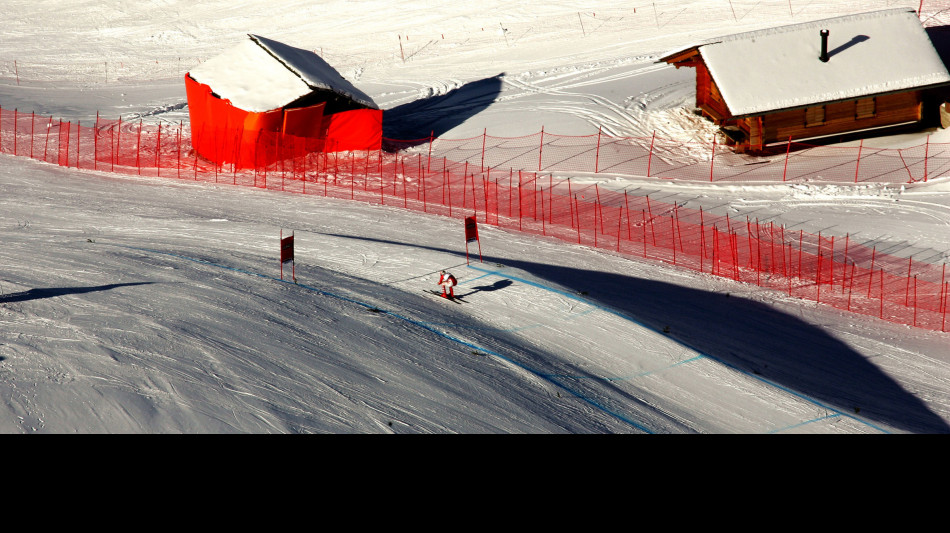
x,y
695,161
828,269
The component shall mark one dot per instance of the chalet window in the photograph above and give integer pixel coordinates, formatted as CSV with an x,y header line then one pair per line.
x,y
815,116
865,108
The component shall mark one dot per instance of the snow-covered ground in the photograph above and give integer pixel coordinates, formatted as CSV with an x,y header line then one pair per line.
x,y
152,305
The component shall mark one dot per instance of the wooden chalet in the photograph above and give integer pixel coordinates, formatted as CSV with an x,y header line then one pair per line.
x,y
817,79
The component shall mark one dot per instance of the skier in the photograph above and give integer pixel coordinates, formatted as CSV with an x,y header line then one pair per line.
x,y
448,282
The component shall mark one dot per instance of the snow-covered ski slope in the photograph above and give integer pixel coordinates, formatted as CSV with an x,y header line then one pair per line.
x,y
153,305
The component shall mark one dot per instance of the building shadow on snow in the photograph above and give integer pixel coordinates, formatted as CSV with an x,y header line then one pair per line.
x,y
940,38
413,123
749,336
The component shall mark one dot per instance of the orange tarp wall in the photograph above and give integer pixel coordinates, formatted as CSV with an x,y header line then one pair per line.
x,y
224,133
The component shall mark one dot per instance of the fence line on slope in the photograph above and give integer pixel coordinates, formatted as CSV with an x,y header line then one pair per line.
x,y
657,157
831,270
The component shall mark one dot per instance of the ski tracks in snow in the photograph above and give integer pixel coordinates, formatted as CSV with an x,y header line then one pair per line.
x,y
565,85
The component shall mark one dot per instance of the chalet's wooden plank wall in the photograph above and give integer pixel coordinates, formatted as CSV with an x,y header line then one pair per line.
x,y
838,117
708,98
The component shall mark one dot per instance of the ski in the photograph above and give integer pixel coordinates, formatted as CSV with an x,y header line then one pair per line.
x,y
439,294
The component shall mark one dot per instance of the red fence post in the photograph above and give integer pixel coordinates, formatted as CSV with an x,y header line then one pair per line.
x,y
942,299
118,143
95,144
844,260
543,224
801,239
735,254
494,188
926,156
787,152
831,273
138,149
446,183
519,201
626,203
158,152
673,238
946,292
643,224
857,164
915,300
597,153
594,228
714,264
422,183
620,223
429,163
650,158
702,239
910,262
540,148
484,136
577,208
650,214
679,231
851,286
597,190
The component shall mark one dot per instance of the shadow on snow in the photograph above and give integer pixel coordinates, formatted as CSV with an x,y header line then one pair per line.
x,y
744,334
436,115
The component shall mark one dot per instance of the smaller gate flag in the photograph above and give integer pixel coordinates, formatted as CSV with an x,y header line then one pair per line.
x,y
287,254
471,234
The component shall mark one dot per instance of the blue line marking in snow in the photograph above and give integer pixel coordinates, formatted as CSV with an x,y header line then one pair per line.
x,y
806,422
423,325
682,343
475,278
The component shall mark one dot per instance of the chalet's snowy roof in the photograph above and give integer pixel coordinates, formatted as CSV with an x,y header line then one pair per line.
x,y
778,68
261,74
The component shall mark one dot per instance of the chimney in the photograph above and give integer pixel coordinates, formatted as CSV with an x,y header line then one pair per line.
x,y
824,46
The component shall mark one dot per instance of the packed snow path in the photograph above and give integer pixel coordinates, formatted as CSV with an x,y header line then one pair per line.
x,y
151,310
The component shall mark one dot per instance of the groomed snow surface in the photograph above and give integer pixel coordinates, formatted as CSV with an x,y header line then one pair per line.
x,y
156,305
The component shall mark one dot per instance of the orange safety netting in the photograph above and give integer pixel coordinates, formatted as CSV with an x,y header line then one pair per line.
x,y
225,134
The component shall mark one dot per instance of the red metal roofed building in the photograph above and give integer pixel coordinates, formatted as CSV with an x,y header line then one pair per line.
x,y
816,79
247,102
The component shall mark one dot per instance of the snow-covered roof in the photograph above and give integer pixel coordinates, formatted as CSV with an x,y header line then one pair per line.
x,y
779,68
261,75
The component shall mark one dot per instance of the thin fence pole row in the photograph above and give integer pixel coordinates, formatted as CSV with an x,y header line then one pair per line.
x,y
821,261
